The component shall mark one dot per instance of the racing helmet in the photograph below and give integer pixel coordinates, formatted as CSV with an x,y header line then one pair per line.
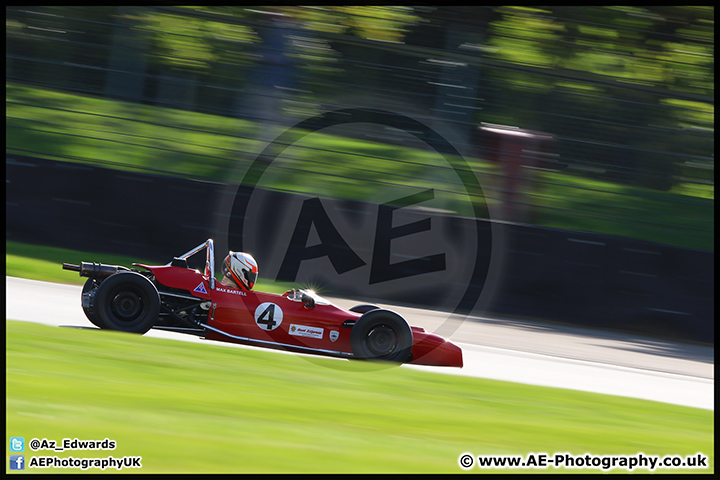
x,y
242,269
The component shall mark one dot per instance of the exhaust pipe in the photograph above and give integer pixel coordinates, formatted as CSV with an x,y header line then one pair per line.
x,y
94,270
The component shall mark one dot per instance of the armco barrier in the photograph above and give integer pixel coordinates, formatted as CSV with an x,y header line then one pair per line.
x,y
547,274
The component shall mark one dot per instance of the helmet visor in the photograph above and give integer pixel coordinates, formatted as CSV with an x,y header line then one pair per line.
x,y
251,277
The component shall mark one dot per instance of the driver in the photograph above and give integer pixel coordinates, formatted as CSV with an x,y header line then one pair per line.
x,y
240,270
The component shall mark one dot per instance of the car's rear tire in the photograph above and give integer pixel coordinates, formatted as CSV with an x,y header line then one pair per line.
x,y
90,314
381,335
127,302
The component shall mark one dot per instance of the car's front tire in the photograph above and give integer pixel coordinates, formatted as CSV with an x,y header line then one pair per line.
x,y
381,335
363,308
127,302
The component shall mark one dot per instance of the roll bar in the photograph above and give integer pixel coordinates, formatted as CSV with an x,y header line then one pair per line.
x,y
209,259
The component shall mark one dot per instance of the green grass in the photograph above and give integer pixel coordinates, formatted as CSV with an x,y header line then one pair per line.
x,y
664,217
123,135
36,262
80,128
190,408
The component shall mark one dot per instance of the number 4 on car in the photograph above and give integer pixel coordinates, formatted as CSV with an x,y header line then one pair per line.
x,y
178,298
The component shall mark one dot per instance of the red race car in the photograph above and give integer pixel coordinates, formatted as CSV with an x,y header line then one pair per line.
x,y
178,298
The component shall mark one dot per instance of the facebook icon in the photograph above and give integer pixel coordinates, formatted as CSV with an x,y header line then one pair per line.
x,y
17,462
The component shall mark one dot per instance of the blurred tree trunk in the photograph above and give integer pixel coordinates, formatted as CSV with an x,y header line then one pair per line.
x,y
270,79
127,65
456,101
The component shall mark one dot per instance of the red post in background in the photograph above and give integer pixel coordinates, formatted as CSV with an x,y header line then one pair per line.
x,y
519,154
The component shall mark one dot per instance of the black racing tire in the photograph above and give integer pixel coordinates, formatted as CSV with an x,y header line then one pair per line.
x,y
363,308
127,302
381,335
91,315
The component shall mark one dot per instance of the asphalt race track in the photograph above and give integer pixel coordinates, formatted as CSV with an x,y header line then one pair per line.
x,y
516,351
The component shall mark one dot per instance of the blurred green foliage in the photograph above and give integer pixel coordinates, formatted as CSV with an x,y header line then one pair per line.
x,y
669,47
626,92
642,76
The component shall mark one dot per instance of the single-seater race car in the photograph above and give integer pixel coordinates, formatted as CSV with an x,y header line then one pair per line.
x,y
178,298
